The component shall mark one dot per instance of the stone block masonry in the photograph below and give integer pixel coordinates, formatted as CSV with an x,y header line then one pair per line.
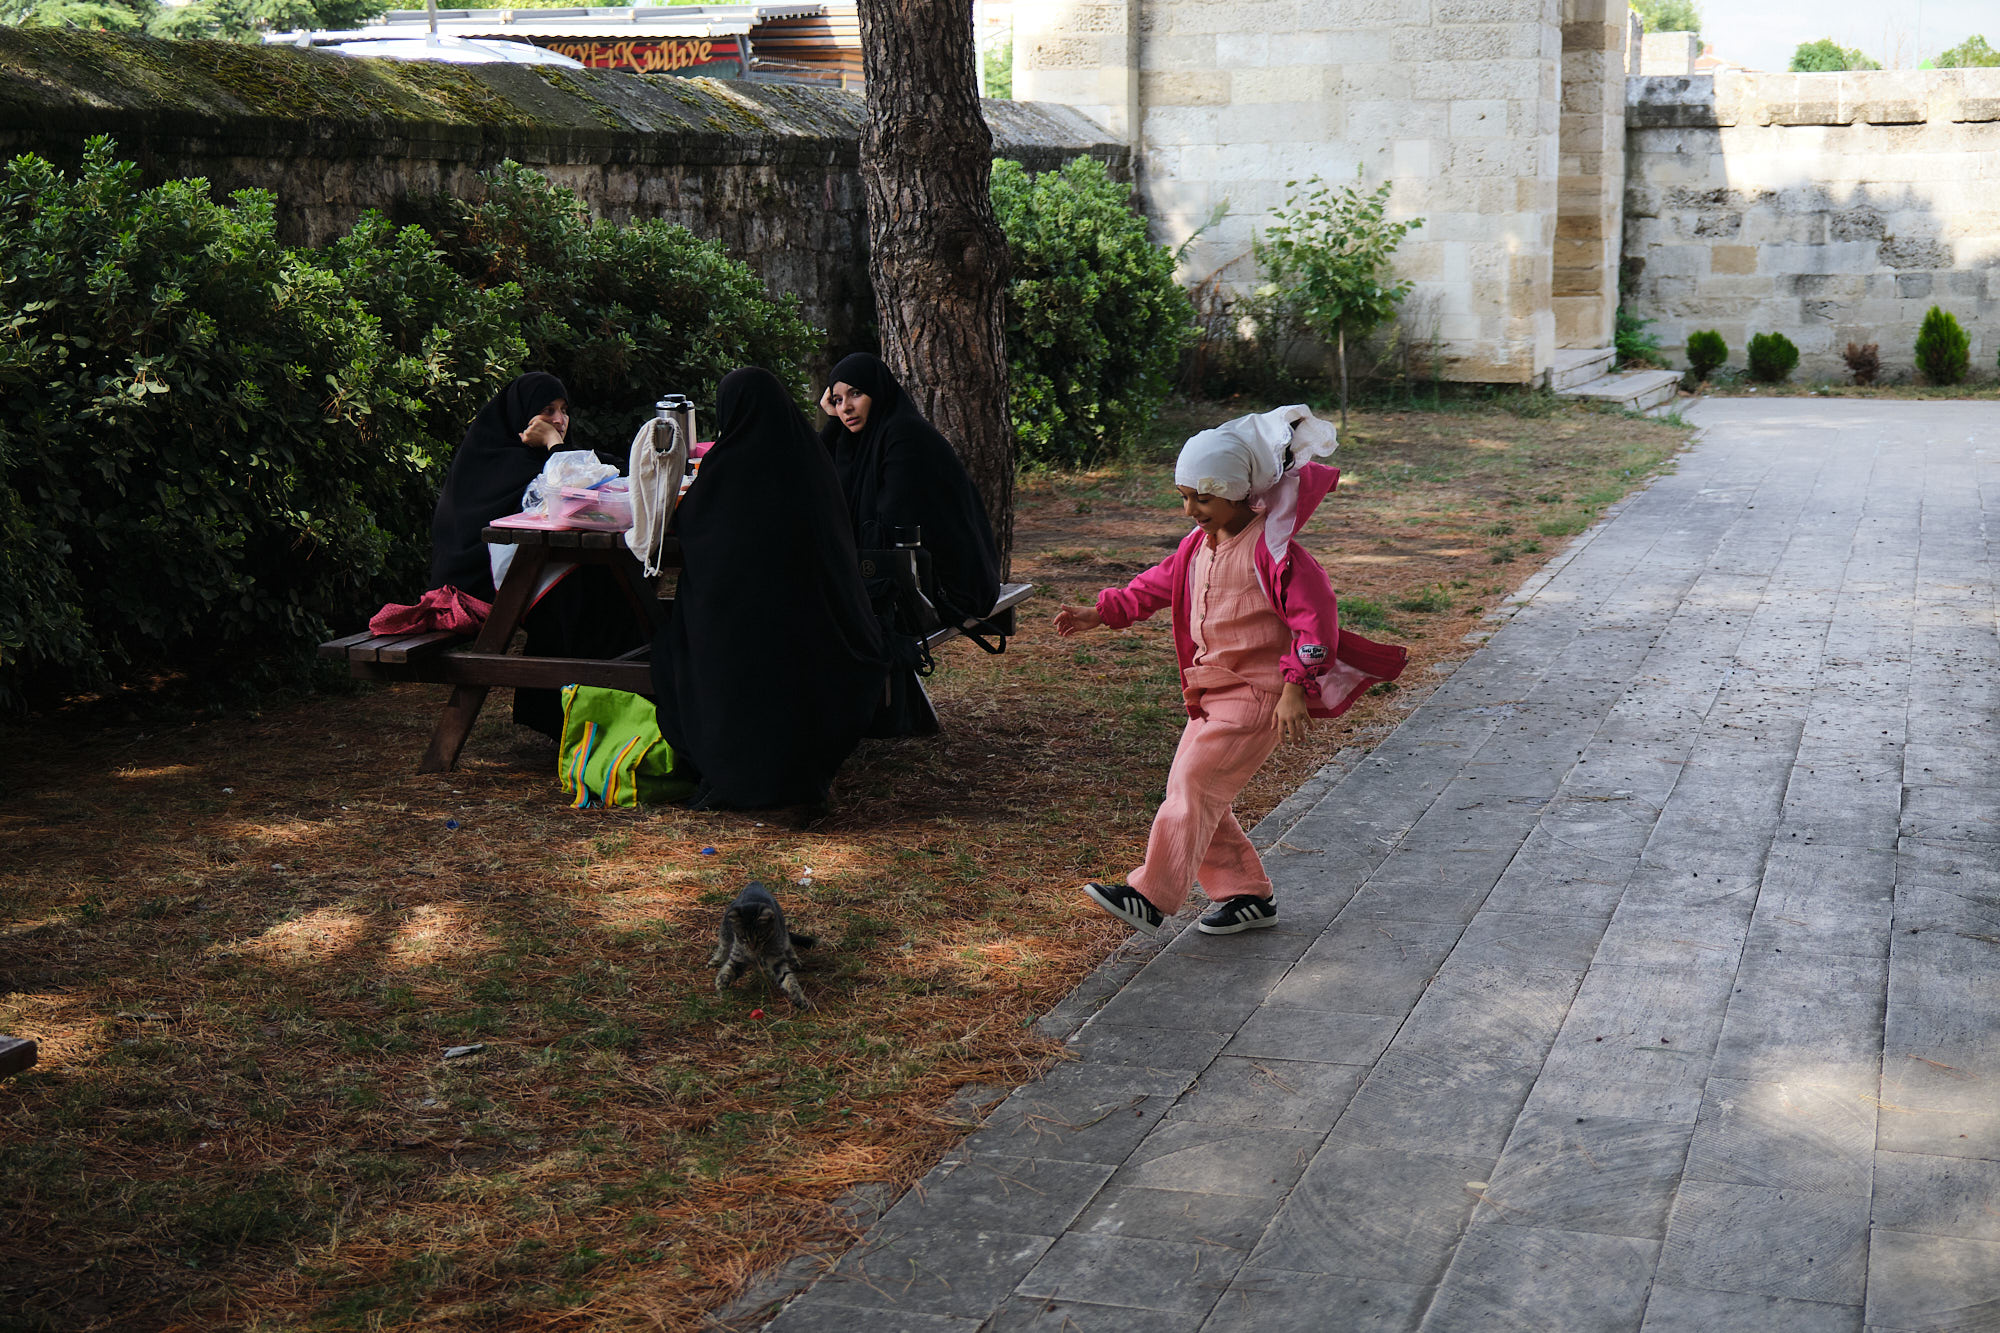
x,y
1473,111
1831,208
770,172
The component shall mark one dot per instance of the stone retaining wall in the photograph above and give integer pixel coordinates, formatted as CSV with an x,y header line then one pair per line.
x,y
1832,208
769,171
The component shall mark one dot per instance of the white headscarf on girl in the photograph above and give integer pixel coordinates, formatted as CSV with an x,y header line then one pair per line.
x,y
1256,458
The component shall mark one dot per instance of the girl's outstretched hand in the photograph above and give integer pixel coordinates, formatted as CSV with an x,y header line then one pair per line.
x,y
1076,619
1292,720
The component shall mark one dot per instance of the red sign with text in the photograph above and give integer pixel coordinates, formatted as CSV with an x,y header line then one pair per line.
x,y
663,55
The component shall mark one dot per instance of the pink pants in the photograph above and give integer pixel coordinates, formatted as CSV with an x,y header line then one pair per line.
x,y
1195,834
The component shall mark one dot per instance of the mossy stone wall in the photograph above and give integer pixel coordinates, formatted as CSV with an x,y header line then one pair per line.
x,y
769,171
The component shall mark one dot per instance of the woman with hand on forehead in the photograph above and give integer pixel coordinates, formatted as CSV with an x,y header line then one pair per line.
x,y
897,471
582,614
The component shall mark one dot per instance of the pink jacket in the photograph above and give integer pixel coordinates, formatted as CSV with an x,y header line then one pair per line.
x,y
1333,667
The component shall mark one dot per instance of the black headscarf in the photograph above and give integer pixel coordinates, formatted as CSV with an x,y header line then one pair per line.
x,y
771,663
488,473
899,472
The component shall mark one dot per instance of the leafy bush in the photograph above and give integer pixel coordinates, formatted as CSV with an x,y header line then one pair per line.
x,y
1630,339
1095,320
1864,361
1827,56
1772,357
212,448
621,313
1944,352
1706,352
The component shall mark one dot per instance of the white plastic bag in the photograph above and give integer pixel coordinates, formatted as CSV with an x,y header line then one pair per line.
x,y
569,467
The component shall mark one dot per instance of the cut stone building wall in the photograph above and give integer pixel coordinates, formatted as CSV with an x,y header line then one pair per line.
x,y
1470,109
770,172
1831,208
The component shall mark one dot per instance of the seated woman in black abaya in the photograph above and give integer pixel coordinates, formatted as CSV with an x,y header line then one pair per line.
x,y
771,664
898,472
583,613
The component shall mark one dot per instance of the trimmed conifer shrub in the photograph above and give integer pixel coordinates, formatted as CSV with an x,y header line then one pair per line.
x,y
1705,352
1772,357
1944,352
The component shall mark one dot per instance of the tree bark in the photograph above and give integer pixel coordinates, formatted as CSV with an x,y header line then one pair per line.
x,y
936,254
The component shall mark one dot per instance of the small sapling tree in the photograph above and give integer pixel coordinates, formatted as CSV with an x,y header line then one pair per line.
x,y
1329,250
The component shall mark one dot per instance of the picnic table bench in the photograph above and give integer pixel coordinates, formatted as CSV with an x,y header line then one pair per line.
x,y
17,1054
474,665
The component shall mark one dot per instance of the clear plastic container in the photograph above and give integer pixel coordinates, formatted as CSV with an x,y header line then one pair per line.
x,y
606,508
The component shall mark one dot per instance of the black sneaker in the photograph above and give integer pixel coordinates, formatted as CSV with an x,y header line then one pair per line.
x,y
1127,904
1234,914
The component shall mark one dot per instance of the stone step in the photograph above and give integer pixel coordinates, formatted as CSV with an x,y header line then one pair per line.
x,y
1632,390
1579,365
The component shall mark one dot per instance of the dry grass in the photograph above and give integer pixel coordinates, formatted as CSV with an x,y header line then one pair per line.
x,y
245,943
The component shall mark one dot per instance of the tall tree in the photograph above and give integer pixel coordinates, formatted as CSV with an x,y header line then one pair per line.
x,y
936,255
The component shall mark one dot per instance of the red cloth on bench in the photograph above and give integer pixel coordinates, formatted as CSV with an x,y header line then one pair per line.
x,y
445,609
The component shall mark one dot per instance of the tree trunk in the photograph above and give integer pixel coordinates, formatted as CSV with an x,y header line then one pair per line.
x,y
1341,335
936,255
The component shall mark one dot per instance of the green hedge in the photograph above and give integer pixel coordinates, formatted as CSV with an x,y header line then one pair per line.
x,y
216,448
1095,321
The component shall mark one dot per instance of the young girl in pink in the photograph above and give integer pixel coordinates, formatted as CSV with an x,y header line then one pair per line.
x,y
1261,651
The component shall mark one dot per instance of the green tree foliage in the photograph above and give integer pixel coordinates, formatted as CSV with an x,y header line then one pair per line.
x,y
1944,351
1705,352
621,312
213,446
105,15
248,20
1328,251
1972,53
1669,15
1827,56
229,20
997,65
1772,357
1095,320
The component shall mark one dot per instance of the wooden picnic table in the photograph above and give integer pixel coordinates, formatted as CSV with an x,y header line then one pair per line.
x,y
472,667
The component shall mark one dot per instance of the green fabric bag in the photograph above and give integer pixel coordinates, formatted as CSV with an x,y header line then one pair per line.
x,y
612,752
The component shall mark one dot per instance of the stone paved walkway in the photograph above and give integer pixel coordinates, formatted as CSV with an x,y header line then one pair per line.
x,y
1648,976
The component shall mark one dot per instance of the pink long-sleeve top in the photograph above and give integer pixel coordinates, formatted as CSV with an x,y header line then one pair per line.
x,y
1333,667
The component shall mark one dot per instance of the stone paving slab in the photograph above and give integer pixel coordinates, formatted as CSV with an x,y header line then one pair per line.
x,y
1647,978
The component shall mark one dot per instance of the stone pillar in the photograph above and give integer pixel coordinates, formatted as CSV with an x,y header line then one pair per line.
x,y
1669,53
1590,188
1082,53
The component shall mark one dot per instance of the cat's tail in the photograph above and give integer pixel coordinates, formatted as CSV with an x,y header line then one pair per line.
x,y
802,941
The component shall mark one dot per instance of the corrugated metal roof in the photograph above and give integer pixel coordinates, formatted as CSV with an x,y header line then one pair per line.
x,y
576,23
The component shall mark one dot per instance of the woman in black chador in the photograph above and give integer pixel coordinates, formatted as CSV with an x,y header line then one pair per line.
x,y
583,614
771,663
898,472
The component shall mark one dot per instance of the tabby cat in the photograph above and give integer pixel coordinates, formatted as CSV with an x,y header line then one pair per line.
x,y
753,931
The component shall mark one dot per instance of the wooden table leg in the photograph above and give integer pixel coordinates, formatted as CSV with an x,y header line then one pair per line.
x,y
510,608
453,727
